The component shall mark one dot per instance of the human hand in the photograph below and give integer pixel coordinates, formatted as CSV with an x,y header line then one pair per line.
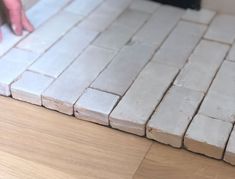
x,y
16,17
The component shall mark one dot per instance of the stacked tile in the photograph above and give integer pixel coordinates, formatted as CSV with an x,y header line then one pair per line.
x,y
184,99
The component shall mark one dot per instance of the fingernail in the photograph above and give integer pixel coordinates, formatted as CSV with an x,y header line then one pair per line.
x,y
16,30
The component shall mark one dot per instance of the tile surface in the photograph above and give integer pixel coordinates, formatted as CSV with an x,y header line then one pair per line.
x,y
135,57
230,150
135,108
186,34
203,16
207,136
30,86
222,29
12,65
202,66
220,100
172,117
69,86
95,106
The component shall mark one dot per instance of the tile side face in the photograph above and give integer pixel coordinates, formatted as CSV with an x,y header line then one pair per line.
x,y
95,106
207,136
69,86
173,115
135,108
230,150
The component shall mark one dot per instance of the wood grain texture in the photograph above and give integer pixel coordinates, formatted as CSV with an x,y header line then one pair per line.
x,y
164,162
80,149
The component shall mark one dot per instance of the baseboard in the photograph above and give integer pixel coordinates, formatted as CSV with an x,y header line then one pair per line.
x,y
193,4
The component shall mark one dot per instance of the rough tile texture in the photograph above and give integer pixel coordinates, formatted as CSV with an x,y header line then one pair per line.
x,y
145,6
64,52
45,36
204,16
222,29
207,136
117,78
135,108
230,150
12,65
95,106
186,34
159,26
202,66
220,100
172,117
69,86
30,87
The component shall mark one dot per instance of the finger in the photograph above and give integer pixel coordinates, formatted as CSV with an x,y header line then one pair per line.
x,y
16,22
26,23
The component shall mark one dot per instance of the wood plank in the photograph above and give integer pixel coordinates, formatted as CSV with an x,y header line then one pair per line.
x,y
165,163
79,148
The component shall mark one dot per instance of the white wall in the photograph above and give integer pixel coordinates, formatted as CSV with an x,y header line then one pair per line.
x,y
221,6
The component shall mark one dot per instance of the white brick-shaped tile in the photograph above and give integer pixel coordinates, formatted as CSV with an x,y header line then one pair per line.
x,y
37,18
222,29
159,26
220,101
70,85
203,16
202,66
207,136
180,44
95,106
145,6
135,108
116,36
64,52
231,55
124,68
82,7
101,18
230,150
45,36
172,117
30,86
12,65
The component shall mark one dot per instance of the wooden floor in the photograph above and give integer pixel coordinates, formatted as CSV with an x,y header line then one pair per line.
x,y
36,143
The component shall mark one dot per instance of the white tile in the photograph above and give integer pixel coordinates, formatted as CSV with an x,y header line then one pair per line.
x,y
172,117
12,65
101,18
222,29
82,7
202,66
135,108
95,106
120,4
230,150
45,36
70,85
180,44
37,18
220,100
116,36
64,52
145,6
159,26
203,16
30,86
231,55
124,68
207,136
